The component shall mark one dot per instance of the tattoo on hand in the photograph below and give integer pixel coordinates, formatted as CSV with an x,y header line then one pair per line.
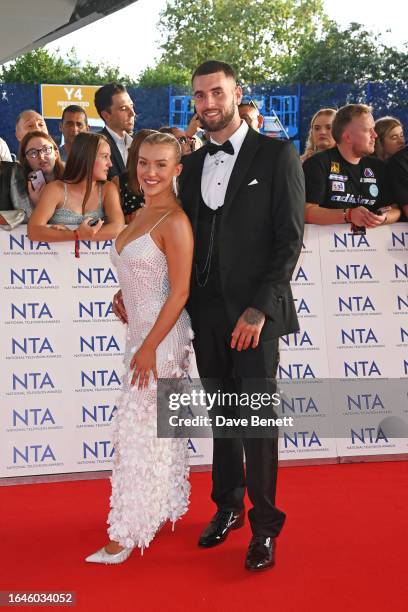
x,y
253,316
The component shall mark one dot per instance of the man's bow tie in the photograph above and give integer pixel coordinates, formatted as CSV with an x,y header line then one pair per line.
x,y
227,147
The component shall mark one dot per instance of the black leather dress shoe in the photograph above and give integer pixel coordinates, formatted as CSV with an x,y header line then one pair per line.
x,y
220,526
261,553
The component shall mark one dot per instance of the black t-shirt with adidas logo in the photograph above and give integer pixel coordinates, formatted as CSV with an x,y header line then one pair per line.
x,y
332,182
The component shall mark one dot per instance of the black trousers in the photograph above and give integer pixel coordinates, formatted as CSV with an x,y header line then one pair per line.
x,y
248,371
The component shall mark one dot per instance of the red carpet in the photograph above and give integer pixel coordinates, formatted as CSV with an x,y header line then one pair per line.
x,y
344,547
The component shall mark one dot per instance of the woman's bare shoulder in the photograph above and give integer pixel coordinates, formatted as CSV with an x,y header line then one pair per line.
x,y
178,216
109,187
54,188
176,226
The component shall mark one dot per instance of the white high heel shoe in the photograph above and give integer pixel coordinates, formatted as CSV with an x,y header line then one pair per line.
x,y
101,556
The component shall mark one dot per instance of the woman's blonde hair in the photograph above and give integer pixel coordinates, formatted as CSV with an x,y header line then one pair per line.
x,y
382,127
165,139
310,148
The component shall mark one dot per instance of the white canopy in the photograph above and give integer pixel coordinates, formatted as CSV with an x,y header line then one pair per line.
x,y
28,24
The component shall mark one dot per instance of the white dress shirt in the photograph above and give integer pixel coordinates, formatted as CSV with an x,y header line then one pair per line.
x,y
217,170
123,144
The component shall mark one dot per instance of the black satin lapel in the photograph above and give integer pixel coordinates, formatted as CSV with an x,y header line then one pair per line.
x,y
192,184
115,153
244,160
118,157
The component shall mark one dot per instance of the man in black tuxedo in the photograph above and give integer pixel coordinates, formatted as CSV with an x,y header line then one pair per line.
x,y
244,195
115,107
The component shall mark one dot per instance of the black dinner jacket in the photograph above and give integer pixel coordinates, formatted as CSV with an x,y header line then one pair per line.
x,y
261,229
117,162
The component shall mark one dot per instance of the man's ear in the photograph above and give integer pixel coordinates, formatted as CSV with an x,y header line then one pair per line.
x,y
260,121
105,115
345,136
238,94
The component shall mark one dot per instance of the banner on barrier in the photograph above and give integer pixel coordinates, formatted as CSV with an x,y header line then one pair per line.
x,y
63,349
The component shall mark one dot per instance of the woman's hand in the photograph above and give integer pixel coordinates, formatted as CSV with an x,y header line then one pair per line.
x,y
193,126
118,307
143,363
87,231
34,194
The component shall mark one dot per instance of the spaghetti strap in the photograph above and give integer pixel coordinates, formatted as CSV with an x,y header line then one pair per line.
x,y
159,221
64,204
100,201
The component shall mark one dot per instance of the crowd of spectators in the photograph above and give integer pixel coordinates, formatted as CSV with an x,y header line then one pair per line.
x,y
356,169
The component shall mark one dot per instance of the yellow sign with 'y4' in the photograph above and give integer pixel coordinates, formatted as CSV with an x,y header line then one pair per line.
x,y
54,98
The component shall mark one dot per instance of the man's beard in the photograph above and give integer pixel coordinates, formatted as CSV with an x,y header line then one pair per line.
x,y
359,152
226,118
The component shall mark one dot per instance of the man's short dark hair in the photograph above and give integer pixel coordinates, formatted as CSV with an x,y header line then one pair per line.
x,y
211,66
74,108
103,97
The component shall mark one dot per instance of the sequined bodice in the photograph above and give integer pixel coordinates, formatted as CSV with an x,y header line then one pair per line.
x,y
142,275
143,278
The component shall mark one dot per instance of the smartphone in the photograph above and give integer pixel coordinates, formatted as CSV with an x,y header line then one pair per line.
x,y
37,179
383,210
359,230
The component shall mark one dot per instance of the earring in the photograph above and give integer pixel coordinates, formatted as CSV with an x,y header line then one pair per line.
x,y
175,186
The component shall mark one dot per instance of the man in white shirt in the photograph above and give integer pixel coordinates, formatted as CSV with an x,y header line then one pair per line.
x,y
115,107
73,121
244,195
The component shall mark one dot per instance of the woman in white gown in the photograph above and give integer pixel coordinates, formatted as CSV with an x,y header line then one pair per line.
x,y
153,256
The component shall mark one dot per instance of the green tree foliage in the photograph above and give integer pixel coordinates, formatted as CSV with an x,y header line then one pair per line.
x,y
163,74
42,66
258,37
346,55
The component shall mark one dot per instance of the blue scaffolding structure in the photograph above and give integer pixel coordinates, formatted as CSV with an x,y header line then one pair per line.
x,y
281,114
